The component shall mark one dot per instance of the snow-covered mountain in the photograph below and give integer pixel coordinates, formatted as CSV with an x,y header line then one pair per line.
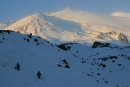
x,y
71,25
70,48
64,65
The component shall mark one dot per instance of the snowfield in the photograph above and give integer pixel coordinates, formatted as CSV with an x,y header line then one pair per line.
x,y
69,65
70,48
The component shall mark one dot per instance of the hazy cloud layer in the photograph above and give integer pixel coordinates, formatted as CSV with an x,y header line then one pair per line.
x,y
121,14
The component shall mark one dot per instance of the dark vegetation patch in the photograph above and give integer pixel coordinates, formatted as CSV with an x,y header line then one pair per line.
x,y
36,40
64,64
119,64
30,35
106,81
6,31
64,61
67,66
64,47
98,74
113,60
90,75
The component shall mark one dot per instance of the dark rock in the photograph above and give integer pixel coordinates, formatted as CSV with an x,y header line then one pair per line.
x,y
99,44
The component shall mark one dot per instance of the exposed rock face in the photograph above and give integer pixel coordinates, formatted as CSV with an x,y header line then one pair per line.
x,y
118,36
122,37
101,36
99,44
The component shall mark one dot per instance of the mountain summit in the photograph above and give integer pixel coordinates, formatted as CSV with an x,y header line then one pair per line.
x,y
68,9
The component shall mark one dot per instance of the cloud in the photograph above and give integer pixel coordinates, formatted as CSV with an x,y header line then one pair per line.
x,y
121,14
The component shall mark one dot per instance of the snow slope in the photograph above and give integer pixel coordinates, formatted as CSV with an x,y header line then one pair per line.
x,y
71,25
88,67
85,18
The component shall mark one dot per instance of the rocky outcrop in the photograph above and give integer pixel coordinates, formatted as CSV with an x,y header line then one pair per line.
x,y
99,44
118,36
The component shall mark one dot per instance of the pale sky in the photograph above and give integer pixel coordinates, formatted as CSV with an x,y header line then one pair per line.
x,y
17,9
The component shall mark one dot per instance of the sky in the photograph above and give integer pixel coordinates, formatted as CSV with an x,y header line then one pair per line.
x,y
18,9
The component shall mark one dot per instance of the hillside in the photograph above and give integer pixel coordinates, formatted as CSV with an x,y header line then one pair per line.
x,y
65,65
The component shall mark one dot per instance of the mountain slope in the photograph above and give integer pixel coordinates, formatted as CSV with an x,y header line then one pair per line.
x,y
75,26
32,57
98,23
84,17
37,25
78,66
